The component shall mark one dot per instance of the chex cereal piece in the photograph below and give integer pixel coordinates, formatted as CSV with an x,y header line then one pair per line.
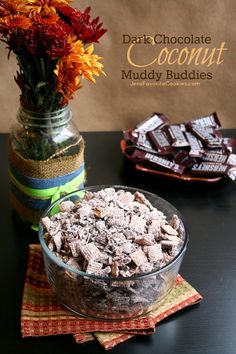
x,y
146,268
94,267
51,245
129,234
127,247
175,222
143,209
100,225
47,223
167,257
105,271
109,195
174,251
85,211
137,224
57,239
114,269
155,253
66,205
156,215
175,239
168,243
154,227
125,197
90,251
117,217
181,231
101,238
123,260
100,212
143,241
139,257
75,248
169,230
139,197
119,238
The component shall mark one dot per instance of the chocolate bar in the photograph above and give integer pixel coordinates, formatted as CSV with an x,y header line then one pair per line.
x,y
228,144
160,141
141,141
212,168
176,136
157,120
219,156
207,138
196,148
182,127
158,162
211,121
182,157
144,143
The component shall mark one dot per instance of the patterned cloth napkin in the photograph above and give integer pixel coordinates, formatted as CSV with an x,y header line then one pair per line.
x,y
41,315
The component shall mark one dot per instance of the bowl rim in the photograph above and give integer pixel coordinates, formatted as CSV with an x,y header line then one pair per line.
x,y
60,263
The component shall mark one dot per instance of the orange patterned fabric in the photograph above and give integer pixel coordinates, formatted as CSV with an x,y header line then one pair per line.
x,y
41,315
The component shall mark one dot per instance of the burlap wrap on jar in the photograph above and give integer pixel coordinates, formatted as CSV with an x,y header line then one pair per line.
x,y
37,184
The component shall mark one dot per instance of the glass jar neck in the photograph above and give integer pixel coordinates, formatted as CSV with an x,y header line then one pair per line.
x,y
45,120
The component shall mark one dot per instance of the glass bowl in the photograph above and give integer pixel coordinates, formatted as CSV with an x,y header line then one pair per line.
x,y
111,298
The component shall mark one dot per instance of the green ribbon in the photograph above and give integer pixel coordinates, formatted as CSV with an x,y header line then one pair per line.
x,y
53,193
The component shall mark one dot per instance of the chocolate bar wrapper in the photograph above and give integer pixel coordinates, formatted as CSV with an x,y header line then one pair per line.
x,y
207,139
160,141
141,141
228,144
156,121
157,161
220,157
210,121
213,168
182,157
196,147
176,136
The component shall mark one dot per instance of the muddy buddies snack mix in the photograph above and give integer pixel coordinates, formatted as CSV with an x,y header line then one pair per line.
x,y
114,237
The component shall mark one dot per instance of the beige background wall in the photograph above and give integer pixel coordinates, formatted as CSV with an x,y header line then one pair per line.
x,y
112,103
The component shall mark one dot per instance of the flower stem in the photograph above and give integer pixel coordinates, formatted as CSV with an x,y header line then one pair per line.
x,y
44,76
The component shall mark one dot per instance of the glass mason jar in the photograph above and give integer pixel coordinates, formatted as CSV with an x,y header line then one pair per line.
x,y
44,135
46,160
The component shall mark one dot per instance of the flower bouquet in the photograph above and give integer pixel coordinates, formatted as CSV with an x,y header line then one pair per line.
x,y
53,46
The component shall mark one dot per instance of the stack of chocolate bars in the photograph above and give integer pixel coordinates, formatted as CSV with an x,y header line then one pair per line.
x,y
196,147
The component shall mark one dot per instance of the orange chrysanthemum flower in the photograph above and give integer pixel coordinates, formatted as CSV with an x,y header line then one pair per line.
x,y
86,62
81,63
45,19
42,6
9,24
9,7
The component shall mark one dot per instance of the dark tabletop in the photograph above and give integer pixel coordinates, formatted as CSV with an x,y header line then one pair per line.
x,y
209,265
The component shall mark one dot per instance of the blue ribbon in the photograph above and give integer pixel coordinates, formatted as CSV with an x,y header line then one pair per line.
x,y
48,189
39,183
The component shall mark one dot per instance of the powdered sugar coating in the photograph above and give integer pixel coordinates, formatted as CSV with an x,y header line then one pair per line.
x,y
116,231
